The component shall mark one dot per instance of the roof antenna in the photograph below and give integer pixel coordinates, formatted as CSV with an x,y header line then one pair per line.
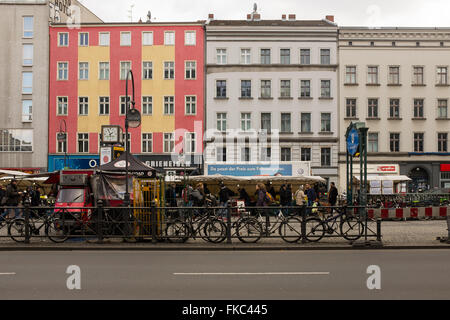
x,y
131,13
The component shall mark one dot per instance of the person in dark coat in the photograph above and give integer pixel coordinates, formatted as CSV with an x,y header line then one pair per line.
x,y
243,195
2,203
271,190
171,196
13,197
224,195
332,196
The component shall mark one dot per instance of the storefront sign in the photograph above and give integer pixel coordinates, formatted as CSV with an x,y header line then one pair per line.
x,y
105,155
56,163
391,169
445,167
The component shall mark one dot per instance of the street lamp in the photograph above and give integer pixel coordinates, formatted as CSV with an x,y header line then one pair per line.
x,y
62,137
132,120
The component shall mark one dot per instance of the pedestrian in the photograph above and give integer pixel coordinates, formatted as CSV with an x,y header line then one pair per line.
x,y
332,196
263,200
224,196
198,196
3,200
171,196
311,195
243,195
285,198
271,190
300,198
187,195
13,198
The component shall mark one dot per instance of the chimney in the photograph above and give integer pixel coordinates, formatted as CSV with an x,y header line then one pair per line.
x,y
283,17
330,18
292,17
211,16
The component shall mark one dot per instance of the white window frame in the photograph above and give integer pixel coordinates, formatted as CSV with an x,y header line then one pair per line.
x,y
223,120
24,30
120,69
27,117
100,34
186,70
85,106
78,142
186,38
120,105
166,39
79,39
84,71
62,144
57,106
245,57
143,38
171,142
148,102
170,102
222,56
144,70
122,43
100,69
104,103
190,103
169,68
32,82
149,139
57,70
59,39
188,142
246,122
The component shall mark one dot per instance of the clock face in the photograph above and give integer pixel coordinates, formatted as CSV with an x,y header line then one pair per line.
x,y
110,134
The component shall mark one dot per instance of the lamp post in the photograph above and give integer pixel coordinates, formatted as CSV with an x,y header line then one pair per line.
x,y
62,137
132,120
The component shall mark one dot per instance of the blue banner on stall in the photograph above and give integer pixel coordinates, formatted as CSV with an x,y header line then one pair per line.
x,y
56,163
250,170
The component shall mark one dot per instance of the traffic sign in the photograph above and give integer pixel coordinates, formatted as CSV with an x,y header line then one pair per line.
x,y
353,141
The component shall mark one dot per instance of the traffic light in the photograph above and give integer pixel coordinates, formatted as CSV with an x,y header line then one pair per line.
x,y
117,152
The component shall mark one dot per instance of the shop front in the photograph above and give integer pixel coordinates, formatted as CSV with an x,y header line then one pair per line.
x,y
59,162
299,168
445,176
174,169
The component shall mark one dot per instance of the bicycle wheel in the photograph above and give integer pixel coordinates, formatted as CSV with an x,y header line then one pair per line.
x,y
315,229
352,228
215,231
16,230
56,231
249,230
177,231
290,230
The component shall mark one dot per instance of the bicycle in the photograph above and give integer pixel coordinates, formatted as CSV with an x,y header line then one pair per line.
x,y
351,228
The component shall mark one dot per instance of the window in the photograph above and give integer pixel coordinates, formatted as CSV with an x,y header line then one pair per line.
x,y
125,39
169,70
305,56
418,142
325,88
266,154
221,88
190,69
27,110
147,105
442,75
350,74
305,88
63,70
147,70
306,122
221,56
28,27
245,56
265,56
418,108
394,142
373,142
147,142
63,39
285,122
285,89
350,111
147,38
246,88
442,109
394,75
245,154
221,154
266,122
83,106
394,108
372,75
191,105
123,104
372,111
62,106
169,142
83,71
189,38
17,140
83,142
62,145
190,142
103,106
285,56
305,154
246,121
266,88
169,105
286,154
222,122
125,67
169,38
27,82
325,122
103,39
325,157
418,75
324,56
104,71
84,39
442,142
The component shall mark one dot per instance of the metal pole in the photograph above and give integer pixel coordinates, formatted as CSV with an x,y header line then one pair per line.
x,y
378,229
228,222
100,221
27,221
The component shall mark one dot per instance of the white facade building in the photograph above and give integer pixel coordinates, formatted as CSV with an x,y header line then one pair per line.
x,y
277,77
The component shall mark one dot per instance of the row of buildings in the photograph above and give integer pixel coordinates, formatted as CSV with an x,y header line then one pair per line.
x,y
223,96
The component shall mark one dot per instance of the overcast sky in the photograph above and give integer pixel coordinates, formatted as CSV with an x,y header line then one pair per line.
x,y
411,13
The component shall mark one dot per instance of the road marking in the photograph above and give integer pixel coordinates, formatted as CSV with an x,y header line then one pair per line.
x,y
8,274
254,274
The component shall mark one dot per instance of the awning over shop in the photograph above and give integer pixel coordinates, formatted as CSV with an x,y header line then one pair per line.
x,y
399,178
135,167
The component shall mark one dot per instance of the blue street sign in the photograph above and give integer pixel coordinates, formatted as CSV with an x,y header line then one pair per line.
x,y
353,142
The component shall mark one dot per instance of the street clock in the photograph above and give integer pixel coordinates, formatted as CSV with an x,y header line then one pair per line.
x,y
112,134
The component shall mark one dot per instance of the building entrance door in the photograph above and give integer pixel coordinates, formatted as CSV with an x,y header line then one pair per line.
x,y
420,180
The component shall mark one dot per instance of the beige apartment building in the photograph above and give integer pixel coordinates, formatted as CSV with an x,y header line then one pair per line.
x,y
24,61
396,80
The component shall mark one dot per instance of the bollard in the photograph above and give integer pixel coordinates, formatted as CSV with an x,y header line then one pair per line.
x,y
27,221
303,213
153,221
378,229
228,222
100,221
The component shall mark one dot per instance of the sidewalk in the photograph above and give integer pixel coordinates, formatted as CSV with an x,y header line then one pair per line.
x,y
396,235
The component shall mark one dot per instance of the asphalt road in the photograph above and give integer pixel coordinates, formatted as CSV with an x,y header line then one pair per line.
x,y
287,275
